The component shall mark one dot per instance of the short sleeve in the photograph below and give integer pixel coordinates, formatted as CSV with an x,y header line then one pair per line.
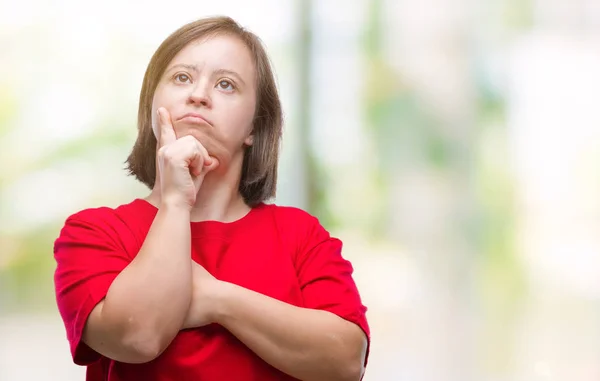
x,y
325,277
88,259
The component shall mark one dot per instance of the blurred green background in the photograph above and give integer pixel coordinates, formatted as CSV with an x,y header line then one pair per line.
x,y
454,146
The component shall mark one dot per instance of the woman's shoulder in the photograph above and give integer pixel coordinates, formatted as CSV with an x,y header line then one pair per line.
x,y
116,226
288,213
105,215
294,221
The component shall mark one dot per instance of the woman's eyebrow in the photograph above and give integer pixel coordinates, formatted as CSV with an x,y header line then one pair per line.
x,y
185,66
231,73
216,72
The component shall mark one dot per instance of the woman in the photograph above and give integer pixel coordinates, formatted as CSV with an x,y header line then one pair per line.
x,y
202,280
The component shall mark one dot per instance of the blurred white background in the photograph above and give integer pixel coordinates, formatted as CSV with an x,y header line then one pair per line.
x,y
454,146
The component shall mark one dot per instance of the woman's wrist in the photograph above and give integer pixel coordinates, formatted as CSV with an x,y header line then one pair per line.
x,y
174,205
222,296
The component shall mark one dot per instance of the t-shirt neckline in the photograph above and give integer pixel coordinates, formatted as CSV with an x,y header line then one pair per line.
x,y
205,227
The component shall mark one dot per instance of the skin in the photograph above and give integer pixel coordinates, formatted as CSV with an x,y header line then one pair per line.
x,y
199,161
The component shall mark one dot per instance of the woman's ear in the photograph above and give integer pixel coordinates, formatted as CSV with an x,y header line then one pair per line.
x,y
249,140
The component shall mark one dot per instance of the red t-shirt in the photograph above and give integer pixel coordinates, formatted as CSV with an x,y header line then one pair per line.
x,y
282,252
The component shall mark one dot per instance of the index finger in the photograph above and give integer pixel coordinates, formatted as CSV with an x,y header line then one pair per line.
x,y
165,128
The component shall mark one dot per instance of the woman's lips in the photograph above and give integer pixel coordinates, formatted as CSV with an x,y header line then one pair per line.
x,y
194,118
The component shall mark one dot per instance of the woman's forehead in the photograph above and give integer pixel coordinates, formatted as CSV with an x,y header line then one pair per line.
x,y
220,52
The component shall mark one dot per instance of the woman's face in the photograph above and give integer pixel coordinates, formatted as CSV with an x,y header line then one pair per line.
x,y
209,90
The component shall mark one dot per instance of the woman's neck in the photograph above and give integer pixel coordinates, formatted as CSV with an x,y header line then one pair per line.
x,y
219,200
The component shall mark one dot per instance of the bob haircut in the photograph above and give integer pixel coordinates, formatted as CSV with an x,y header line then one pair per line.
x,y
258,181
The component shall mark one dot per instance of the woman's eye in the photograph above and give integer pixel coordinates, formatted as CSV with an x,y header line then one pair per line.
x,y
225,85
182,78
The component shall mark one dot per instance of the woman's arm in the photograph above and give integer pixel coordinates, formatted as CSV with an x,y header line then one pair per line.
x,y
326,340
148,301
146,304
305,343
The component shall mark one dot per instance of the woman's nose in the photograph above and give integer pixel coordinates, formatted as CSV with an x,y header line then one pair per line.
x,y
200,96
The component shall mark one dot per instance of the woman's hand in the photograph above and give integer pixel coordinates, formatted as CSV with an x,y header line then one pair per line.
x,y
182,164
205,291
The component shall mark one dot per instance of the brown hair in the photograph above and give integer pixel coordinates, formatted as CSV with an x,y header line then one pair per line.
x,y
259,170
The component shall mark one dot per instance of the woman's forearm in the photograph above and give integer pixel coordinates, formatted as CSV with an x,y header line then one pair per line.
x,y
304,343
148,301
